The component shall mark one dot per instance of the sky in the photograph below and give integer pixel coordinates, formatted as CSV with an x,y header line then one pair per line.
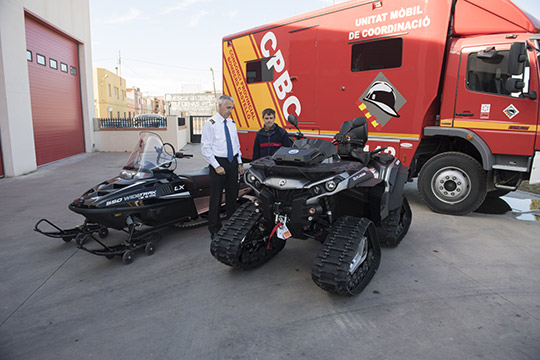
x,y
169,46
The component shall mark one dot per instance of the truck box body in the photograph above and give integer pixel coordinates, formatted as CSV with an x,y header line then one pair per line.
x,y
429,77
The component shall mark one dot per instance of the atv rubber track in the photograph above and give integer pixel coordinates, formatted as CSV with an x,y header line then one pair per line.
x,y
227,246
330,269
395,226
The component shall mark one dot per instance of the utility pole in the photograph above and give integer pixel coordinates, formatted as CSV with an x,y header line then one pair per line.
x,y
215,94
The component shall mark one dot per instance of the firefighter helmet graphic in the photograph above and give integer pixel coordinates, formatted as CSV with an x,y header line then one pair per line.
x,y
382,95
380,102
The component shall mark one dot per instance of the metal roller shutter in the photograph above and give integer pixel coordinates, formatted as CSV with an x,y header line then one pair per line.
x,y
53,69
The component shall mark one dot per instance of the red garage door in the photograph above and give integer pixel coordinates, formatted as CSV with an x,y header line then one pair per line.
x,y
53,68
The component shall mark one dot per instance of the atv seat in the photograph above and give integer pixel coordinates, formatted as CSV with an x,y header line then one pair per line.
x,y
198,179
352,137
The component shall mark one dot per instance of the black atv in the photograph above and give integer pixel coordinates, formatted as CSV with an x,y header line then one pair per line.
x,y
348,199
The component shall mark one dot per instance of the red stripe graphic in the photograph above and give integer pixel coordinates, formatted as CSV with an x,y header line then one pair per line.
x,y
235,109
270,144
244,96
235,95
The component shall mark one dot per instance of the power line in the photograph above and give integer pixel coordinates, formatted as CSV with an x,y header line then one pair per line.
x,y
166,65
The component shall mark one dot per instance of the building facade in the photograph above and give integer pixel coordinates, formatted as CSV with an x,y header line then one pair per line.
x,y
135,101
46,93
110,96
190,104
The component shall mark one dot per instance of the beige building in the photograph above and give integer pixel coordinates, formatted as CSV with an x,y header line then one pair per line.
x,y
110,100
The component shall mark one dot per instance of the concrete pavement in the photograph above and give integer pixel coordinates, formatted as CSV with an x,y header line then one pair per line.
x,y
456,288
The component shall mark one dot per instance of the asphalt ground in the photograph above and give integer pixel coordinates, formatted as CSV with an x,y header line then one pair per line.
x,y
463,287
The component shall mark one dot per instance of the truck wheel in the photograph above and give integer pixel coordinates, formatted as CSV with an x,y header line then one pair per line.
x,y
243,241
452,183
395,226
349,257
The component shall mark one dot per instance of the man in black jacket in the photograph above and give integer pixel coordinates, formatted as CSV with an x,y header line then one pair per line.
x,y
271,137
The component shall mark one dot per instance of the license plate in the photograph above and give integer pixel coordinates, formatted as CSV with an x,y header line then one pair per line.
x,y
283,232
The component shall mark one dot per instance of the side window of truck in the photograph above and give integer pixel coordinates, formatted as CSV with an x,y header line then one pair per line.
x,y
257,71
376,55
487,72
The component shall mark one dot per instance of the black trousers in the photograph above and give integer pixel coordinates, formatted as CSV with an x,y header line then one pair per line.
x,y
218,183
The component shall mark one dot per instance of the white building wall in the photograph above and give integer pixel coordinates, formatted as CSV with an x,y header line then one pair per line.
x,y
71,17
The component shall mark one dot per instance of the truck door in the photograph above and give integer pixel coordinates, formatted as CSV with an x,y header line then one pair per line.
x,y
303,71
505,121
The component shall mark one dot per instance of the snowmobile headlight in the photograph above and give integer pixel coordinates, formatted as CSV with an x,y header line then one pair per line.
x,y
127,174
251,178
330,185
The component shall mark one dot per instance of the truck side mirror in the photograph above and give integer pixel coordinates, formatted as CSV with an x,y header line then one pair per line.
x,y
514,85
517,58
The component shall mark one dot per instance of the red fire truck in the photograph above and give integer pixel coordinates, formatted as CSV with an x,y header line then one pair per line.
x,y
450,86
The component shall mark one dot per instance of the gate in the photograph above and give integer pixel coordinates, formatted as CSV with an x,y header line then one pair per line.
x,y
195,129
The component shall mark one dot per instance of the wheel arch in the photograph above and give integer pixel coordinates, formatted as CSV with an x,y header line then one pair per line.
x,y
483,152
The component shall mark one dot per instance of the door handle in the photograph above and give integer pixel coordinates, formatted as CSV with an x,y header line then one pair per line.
x,y
465,114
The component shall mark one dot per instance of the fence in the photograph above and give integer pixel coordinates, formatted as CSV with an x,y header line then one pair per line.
x,y
136,123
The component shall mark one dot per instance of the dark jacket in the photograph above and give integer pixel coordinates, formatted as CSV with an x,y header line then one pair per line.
x,y
267,142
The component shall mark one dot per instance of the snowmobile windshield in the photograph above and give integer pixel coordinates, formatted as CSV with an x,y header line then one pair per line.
x,y
149,155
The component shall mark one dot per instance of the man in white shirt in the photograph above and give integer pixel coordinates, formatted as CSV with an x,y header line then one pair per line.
x,y
221,150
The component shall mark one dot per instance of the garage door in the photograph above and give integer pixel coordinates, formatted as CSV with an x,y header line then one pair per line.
x,y
53,69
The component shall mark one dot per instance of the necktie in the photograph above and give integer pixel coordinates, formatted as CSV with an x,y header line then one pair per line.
x,y
230,154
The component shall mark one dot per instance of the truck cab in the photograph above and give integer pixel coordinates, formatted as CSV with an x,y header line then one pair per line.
x,y
485,141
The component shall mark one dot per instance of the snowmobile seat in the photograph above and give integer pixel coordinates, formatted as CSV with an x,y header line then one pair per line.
x,y
199,179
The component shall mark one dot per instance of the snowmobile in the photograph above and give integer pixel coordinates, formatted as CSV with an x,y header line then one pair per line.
x,y
349,199
146,196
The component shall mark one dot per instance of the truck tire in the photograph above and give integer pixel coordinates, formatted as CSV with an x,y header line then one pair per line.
x,y
452,183
395,226
242,242
349,258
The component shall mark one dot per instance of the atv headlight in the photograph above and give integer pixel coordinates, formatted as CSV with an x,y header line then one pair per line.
x,y
330,185
251,178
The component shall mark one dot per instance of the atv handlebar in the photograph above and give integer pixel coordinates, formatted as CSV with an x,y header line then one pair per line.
x,y
298,136
373,152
